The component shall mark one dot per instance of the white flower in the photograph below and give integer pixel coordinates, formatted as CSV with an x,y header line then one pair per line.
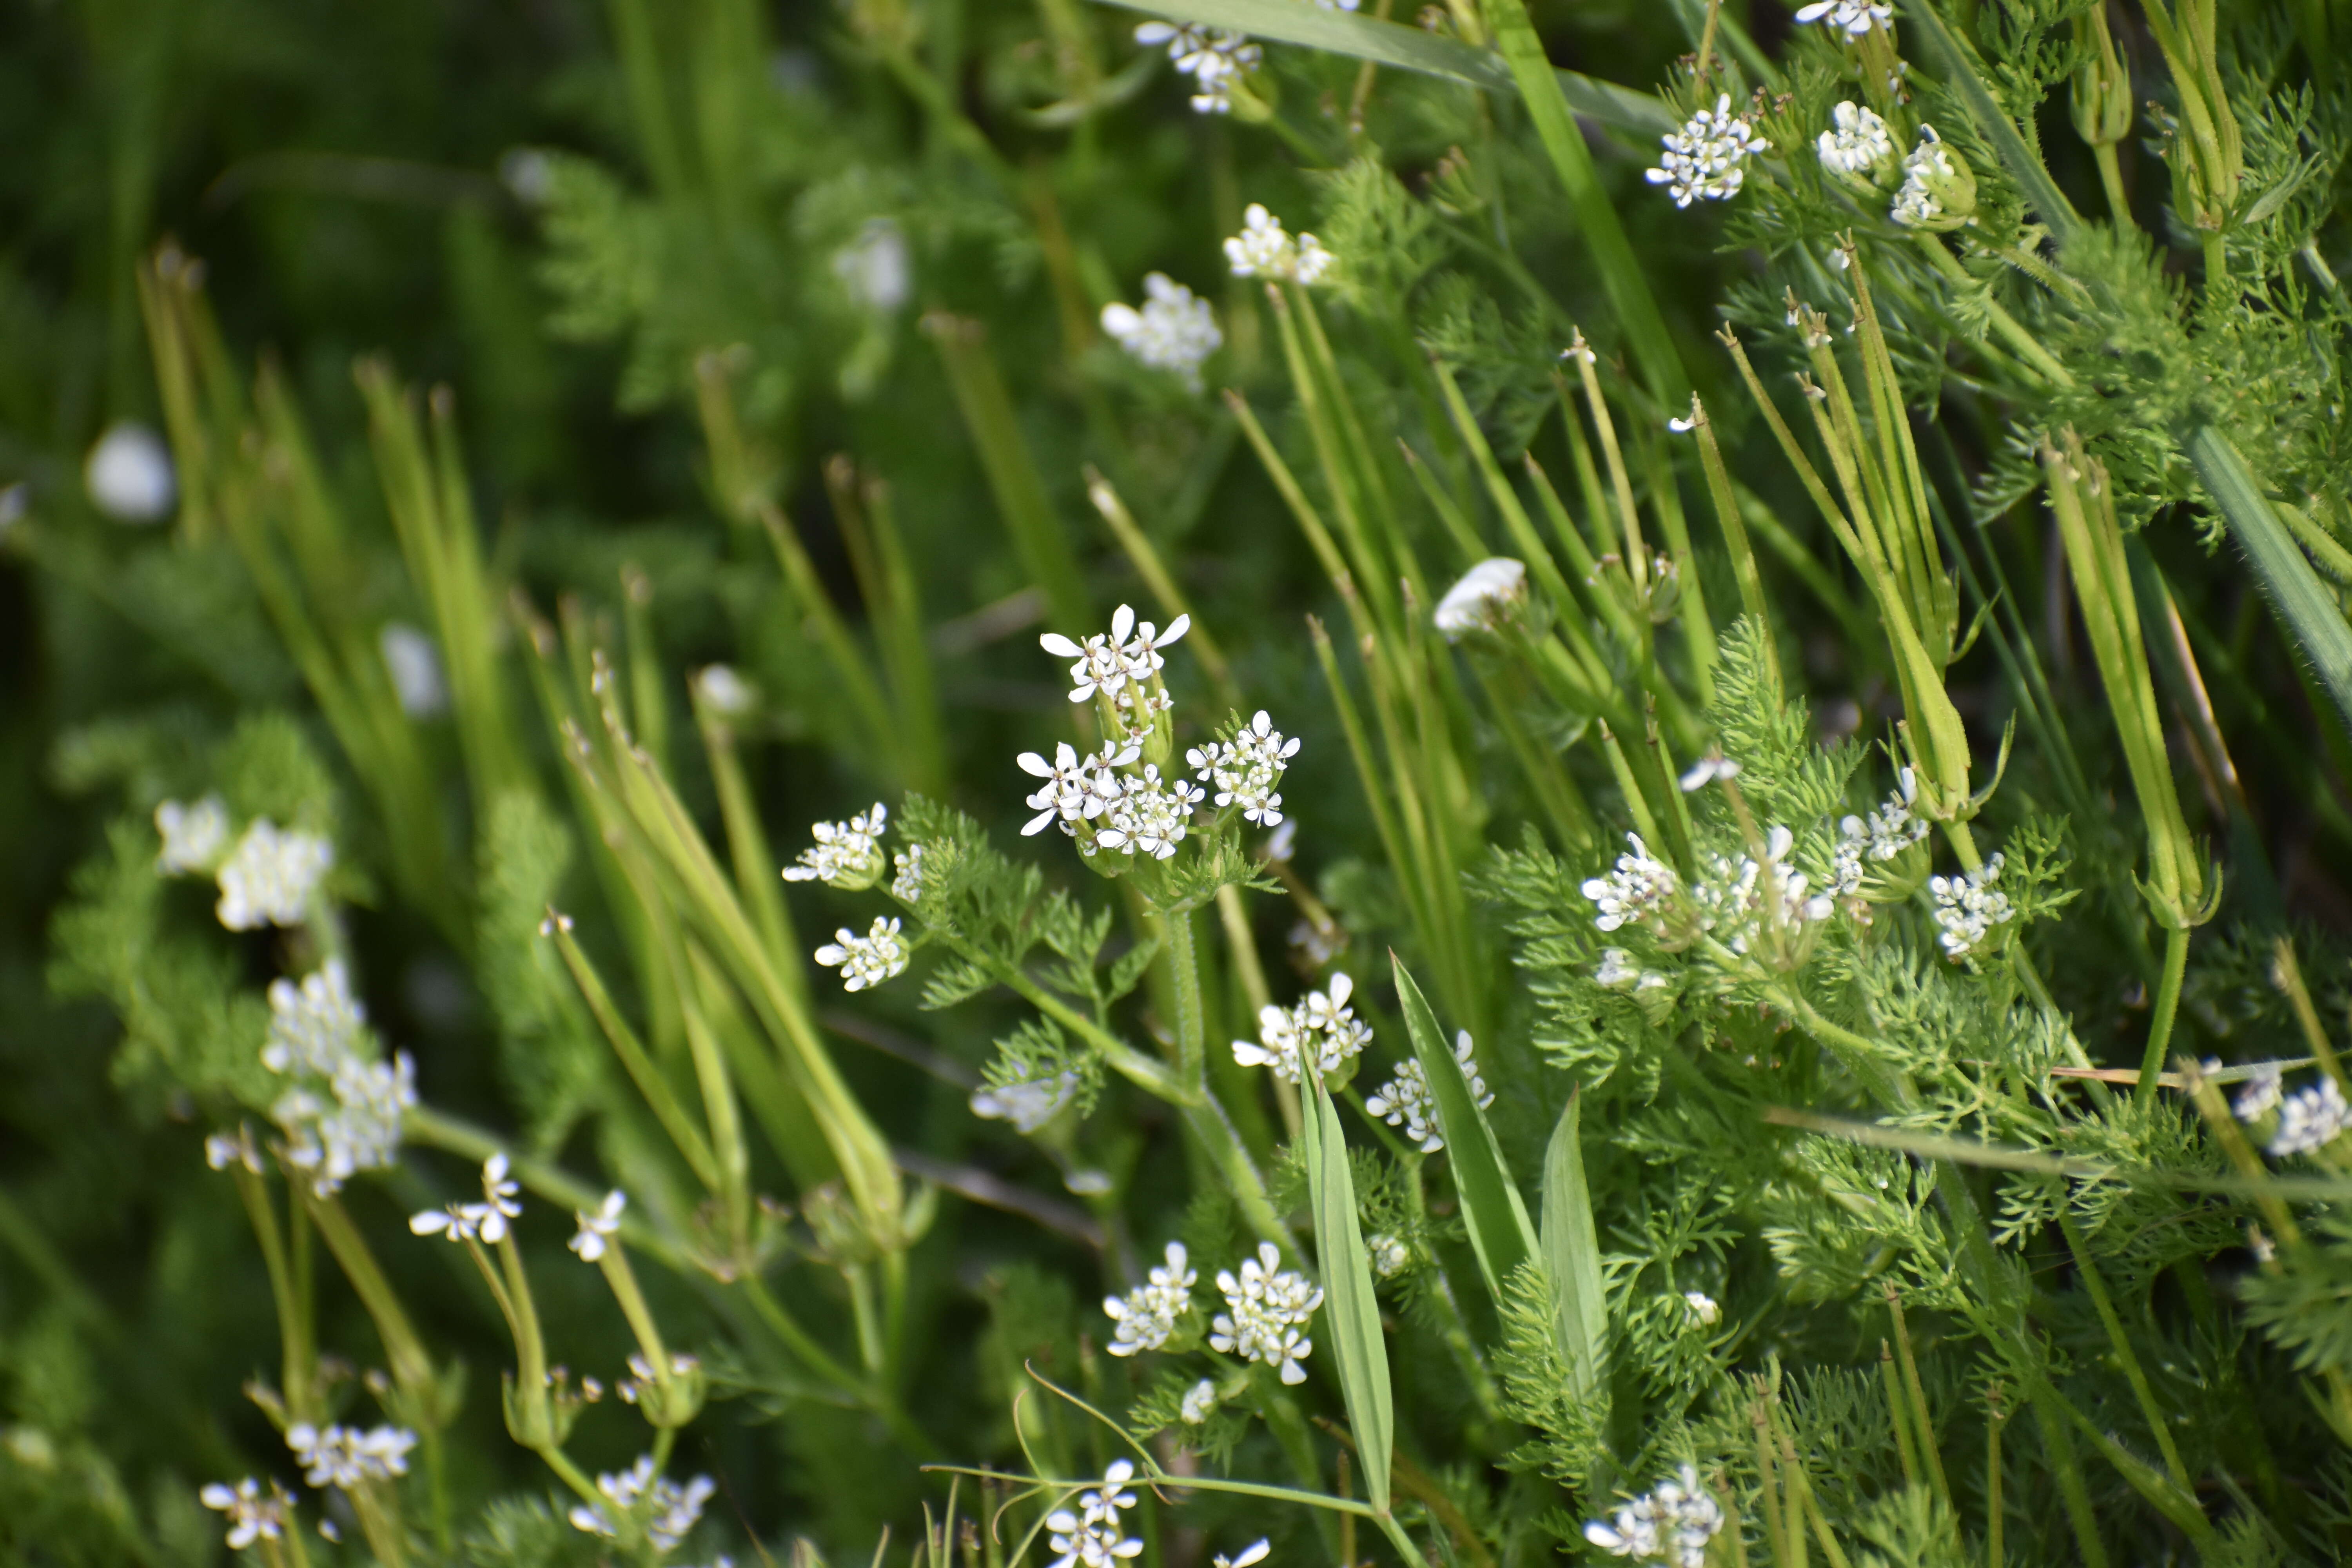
x,y
1617,969
315,1025
1244,770
271,878
345,1455
252,1514
1405,1101
1703,1309
1028,1106
1938,190
906,884
1092,1534
1630,893
671,1509
598,1227
1389,1255
1076,789
194,835
874,269
847,854
633,1387
129,474
223,1150
1482,599
1215,57
1892,829
2311,1121
1141,653
1322,1029
1702,159
415,665
1262,249
1150,814
1147,1314
1742,897
1970,908
1266,1305
1672,1524
1199,1401
2262,1094
1853,18
1858,143
485,1221
725,690
866,960
1175,331
1247,1557
1706,771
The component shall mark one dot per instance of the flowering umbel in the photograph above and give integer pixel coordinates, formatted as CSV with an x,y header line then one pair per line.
x,y
1702,159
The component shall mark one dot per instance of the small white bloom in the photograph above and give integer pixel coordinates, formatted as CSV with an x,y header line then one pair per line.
x,y
313,1027
1244,770
726,691
1938,190
1323,1029
598,1227
1175,331
1852,18
270,879
2262,1094
1406,1100
253,1515
1706,771
1247,1557
633,1387
1672,1524
129,474
1703,1309
907,883
847,854
1215,57
1483,599
1702,159
1266,1305
1264,249
346,1455
671,1509
1633,892
415,665
2311,1121
874,268
1028,1106
223,1150
1148,1314
866,960
1858,143
1199,1401
1970,908
1389,1255
194,835
1617,969
1149,816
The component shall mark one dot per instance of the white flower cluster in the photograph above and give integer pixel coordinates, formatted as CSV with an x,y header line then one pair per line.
x,y
1148,1314
194,835
671,1509
907,883
1702,1307
1093,1535
485,1221
1266,1305
345,1455
866,960
1150,814
341,1112
1264,249
1928,172
1702,159
1199,1401
1215,57
1244,770
1405,1101
1483,599
1852,17
1389,1253
1671,1525
1858,142
1323,1029
1890,830
641,1378
1175,331
1635,892
598,1227
1105,665
2308,1121
845,855
253,1515
1618,970
1745,895
271,876
1028,1105
1969,907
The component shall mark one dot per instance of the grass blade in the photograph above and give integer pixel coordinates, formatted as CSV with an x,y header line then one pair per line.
x,y
2297,594
1500,1231
1351,1314
1572,1253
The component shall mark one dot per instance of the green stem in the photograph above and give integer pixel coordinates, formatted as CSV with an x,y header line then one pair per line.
x,y
2111,177
2125,1357
1184,966
2168,1007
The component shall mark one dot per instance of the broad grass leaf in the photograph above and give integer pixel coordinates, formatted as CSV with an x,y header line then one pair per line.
x,y
1351,1313
1572,1253
1496,1216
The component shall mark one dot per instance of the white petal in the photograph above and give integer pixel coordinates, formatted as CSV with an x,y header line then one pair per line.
x,y
1340,988
1056,644
1122,622
1176,629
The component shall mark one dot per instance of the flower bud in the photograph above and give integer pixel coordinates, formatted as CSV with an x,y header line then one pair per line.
x,y
2102,88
